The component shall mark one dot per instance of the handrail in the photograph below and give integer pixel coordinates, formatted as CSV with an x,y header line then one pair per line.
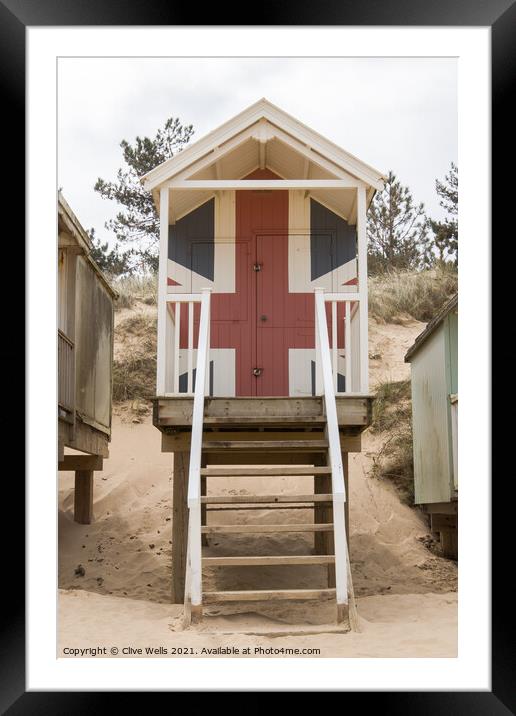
x,y
65,338
332,433
194,476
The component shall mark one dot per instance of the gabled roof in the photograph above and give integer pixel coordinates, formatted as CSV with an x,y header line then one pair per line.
x,y
217,143
68,222
436,321
73,224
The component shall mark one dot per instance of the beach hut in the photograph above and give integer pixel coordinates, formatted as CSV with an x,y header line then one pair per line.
x,y
262,362
85,358
433,364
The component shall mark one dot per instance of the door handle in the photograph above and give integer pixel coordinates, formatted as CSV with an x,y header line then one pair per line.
x,y
257,372
263,318
257,267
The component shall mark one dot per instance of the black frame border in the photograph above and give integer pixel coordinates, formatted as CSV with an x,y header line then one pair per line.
x,y
500,16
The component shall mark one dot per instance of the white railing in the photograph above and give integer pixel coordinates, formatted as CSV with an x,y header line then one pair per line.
x,y
354,363
193,579
173,343
324,363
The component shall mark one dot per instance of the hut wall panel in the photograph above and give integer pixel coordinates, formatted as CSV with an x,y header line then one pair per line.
x,y
431,422
93,345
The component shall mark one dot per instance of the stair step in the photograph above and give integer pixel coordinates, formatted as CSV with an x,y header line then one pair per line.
x,y
266,499
267,445
256,595
267,560
218,529
265,471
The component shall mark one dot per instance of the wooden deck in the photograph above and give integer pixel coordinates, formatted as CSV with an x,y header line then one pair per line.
x,y
228,420
174,413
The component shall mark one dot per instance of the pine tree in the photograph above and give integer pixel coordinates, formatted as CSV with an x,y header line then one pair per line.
x,y
446,232
113,262
138,224
397,229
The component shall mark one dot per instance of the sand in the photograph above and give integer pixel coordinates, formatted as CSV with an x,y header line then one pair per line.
x,y
406,595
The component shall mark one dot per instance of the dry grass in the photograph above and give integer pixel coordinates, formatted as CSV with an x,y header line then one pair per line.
x,y
134,371
391,405
392,414
395,297
143,288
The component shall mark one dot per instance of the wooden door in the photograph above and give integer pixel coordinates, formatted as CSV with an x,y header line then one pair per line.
x,y
284,321
272,324
262,225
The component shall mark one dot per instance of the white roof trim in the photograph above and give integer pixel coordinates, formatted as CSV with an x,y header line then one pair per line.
x,y
263,109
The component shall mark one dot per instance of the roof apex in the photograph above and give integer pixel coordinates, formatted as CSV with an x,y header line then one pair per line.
x,y
261,109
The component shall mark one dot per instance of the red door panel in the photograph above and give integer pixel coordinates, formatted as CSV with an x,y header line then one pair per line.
x,y
267,212
284,320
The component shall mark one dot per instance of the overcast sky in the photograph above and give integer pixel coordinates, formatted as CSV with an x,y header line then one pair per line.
x,y
398,114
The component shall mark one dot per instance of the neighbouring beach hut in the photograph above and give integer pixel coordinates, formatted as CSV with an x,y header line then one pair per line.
x,y
433,362
85,359
262,338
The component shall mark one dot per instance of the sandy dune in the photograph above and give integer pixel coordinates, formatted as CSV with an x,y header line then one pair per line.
x,y
407,599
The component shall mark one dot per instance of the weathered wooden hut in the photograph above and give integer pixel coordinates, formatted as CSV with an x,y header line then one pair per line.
x,y
433,363
262,336
85,358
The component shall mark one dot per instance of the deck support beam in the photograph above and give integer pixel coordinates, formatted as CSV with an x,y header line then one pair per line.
x,y
80,462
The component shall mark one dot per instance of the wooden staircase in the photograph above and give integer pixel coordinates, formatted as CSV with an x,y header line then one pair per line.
x,y
282,445
262,450
270,501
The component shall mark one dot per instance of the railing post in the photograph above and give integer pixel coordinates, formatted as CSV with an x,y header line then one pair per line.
x,y
362,287
334,346
347,342
318,362
162,292
177,333
189,387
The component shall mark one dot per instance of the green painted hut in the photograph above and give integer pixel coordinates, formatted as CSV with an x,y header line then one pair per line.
x,y
433,360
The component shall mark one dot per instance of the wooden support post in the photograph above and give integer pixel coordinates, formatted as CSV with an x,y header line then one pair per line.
x,y
449,543
323,514
83,497
179,524
323,541
196,613
342,613
204,507
345,465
